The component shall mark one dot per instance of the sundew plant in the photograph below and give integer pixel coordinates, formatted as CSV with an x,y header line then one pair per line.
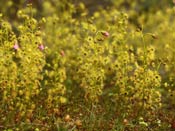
x,y
87,66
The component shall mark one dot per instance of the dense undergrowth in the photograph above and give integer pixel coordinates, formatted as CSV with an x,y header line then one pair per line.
x,y
64,69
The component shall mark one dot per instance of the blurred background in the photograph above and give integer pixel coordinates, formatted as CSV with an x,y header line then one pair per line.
x,y
10,7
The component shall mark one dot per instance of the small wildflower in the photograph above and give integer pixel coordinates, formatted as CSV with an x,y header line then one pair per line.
x,y
63,100
67,118
78,123
16,46
105,33
125,121
62,53
41,47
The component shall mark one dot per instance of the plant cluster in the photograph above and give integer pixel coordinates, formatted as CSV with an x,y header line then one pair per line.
x,y
62,69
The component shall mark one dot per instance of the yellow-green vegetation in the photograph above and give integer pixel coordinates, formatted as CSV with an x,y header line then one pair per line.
x,y
68,66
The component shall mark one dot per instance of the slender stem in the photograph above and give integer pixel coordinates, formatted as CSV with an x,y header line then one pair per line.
x,y
144,51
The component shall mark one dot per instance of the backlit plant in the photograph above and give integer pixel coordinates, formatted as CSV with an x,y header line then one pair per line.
x,y
64,69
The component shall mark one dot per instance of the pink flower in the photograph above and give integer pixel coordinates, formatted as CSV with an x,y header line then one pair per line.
x,y
62,53
16,46
41,47
105,33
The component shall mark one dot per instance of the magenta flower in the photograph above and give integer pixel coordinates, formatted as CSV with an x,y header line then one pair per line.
x,y
16,46
105,33
41,47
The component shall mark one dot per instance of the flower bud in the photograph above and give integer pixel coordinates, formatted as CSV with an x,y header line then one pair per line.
x,y
105,33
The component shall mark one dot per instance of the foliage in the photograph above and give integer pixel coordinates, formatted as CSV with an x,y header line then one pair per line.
x,y
63,69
